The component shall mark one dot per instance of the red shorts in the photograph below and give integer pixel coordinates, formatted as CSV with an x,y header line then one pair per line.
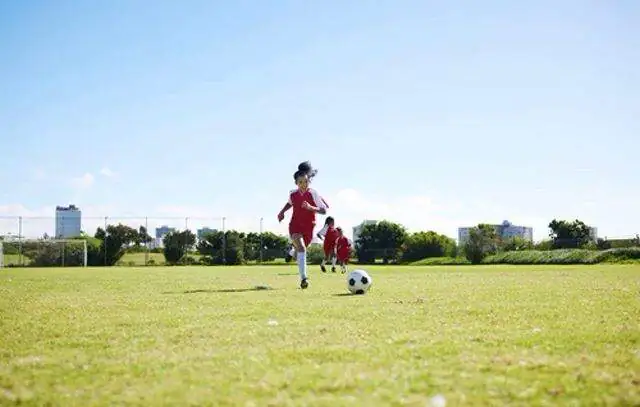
x,y
305,230
343,256
329,250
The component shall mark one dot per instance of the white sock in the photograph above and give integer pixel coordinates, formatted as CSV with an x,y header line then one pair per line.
x,y
302,265
292,252
324,261
333,261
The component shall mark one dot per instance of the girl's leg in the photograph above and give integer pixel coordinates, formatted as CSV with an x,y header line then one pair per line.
x,y
326,258
301,256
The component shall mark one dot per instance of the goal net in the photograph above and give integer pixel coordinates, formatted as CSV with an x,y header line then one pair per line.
x,y
43,253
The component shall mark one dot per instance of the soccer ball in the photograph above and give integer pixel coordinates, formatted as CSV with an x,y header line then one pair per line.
x,y
359,282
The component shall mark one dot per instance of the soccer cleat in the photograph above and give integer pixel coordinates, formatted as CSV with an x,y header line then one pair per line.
x,y
333,269
323,268
304,284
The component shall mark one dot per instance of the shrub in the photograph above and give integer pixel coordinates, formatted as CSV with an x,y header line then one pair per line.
x,y
565,256
620,255
482,242
315,254
177,244
221,248
422,245
441,261
46,253
188,261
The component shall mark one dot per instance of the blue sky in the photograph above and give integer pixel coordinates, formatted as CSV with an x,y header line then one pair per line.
x,y
432,114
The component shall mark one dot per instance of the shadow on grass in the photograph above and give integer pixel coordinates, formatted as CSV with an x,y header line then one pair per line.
x,y
224,290
347,295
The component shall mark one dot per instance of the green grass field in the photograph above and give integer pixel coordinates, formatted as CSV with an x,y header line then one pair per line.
x,y
485,335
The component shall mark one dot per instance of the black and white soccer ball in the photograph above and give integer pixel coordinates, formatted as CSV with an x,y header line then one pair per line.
x,y
359,282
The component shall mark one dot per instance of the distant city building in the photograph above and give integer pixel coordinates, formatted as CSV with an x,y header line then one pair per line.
x,y
593,233
160,234
205,230
358,229
68,221
163,230
505,230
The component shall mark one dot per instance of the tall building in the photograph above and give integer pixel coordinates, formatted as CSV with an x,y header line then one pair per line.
x,y
163,230
505,230
160,233
358,229
68,221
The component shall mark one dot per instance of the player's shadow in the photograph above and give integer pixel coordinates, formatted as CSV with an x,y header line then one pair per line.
x,y
223,290
346,295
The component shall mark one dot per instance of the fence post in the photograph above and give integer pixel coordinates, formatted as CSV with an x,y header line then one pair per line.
x,y
224,241
20,240
146,243
105,240
261,241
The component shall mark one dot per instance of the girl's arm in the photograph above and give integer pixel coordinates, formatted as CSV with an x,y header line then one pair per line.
x,y
284,209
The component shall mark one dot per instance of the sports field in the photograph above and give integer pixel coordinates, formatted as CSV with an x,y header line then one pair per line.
x,y
481,335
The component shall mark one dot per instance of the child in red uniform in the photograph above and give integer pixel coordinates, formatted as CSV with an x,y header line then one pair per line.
x,y
343,250
305,202
330,235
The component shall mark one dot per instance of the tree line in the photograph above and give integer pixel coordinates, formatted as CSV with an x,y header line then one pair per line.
x,y
385,242
107,246
390,242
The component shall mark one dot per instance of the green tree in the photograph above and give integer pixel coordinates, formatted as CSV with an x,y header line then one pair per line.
x,y
567,234
421,245
143,237
114,240
481,242
516,243
315,253
251,249
49,253
382,240
273,246
222,247
544,245
177,244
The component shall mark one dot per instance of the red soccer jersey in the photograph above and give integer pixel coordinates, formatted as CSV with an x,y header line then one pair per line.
x,y
301,217
343,247
330,237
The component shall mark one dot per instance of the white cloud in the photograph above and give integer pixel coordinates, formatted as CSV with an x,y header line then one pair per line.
x,y
429,211
416,212
16,210
33,223
85,181
107,172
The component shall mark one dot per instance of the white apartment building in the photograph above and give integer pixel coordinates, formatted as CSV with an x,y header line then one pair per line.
x,y
505,230
68,221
